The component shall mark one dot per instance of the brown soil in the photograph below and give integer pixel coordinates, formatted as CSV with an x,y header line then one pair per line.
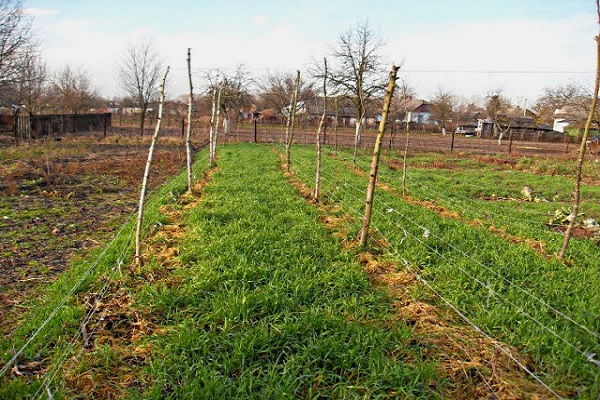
x,y
58,200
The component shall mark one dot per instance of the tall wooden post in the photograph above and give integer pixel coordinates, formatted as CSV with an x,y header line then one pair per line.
x,y
588,123
140,220
291,124
318,144
375,161
188,140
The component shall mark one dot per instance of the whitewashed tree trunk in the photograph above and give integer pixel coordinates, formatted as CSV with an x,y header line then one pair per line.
x,y
406,144
211,134
213,153
140,219
227,125
318,144
188,141
358,138
290,137
335,126
375,161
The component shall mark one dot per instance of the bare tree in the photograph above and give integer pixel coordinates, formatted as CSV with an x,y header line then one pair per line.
x,y
357,70
235,93
72,91
15,36
571,99
442,107
503,115
139,76
27,92
277,89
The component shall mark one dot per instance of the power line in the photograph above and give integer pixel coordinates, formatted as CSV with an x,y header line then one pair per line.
x,y
475,71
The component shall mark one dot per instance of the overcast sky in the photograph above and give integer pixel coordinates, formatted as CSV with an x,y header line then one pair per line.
x,y
468,47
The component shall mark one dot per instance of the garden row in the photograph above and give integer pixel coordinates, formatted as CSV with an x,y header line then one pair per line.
x,y
246,292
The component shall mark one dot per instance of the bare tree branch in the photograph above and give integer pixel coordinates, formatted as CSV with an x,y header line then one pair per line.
x,y
139,76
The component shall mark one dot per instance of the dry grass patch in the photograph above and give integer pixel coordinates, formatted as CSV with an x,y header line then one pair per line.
x,y
476,366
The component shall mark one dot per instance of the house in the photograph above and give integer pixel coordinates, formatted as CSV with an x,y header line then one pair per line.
x,y
419,111
569,116
522,127
468,122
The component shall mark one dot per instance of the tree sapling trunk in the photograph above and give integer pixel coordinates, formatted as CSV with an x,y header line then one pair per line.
x,y
140,219
188,144
375,161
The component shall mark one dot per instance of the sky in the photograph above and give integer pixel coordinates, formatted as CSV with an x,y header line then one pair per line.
x,y
469,48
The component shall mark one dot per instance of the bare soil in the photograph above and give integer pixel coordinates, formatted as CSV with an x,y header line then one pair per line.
x,y
58,200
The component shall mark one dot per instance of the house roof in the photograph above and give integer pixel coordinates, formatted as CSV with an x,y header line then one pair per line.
x,y
416,105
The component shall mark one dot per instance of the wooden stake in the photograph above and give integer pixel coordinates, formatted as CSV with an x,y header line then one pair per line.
x,y
318,172
588,123
188,144
140,219
375,161
291,124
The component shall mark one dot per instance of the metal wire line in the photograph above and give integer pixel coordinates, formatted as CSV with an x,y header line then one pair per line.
x,y
475,279
454,308
480,331
49,378
75,286
467,200
520,310
472,324
524,291
60,305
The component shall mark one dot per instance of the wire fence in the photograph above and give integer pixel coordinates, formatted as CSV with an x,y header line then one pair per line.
x,y
341,191
350,195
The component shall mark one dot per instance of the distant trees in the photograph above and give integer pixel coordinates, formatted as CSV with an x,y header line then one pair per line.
x,y
356,70
572,98
28,89
277,90
15,40
235,93
499,109
72,91
442,106
139,75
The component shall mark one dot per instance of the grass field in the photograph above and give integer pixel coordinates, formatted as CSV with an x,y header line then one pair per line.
x,y
251,291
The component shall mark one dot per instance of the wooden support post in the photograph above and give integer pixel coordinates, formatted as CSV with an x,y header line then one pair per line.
x,y
375,161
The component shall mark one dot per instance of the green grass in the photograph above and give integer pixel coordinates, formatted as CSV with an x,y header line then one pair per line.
x,y
85,276
481,273
266,305
270,307
263,302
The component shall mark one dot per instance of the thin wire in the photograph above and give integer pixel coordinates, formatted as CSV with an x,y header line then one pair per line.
x,y
60,305
468,320
479,330
493,272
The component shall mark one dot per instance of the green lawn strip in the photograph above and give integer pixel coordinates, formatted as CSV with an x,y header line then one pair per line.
x,y
61,306
472,194
270,306
454,256
463,191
